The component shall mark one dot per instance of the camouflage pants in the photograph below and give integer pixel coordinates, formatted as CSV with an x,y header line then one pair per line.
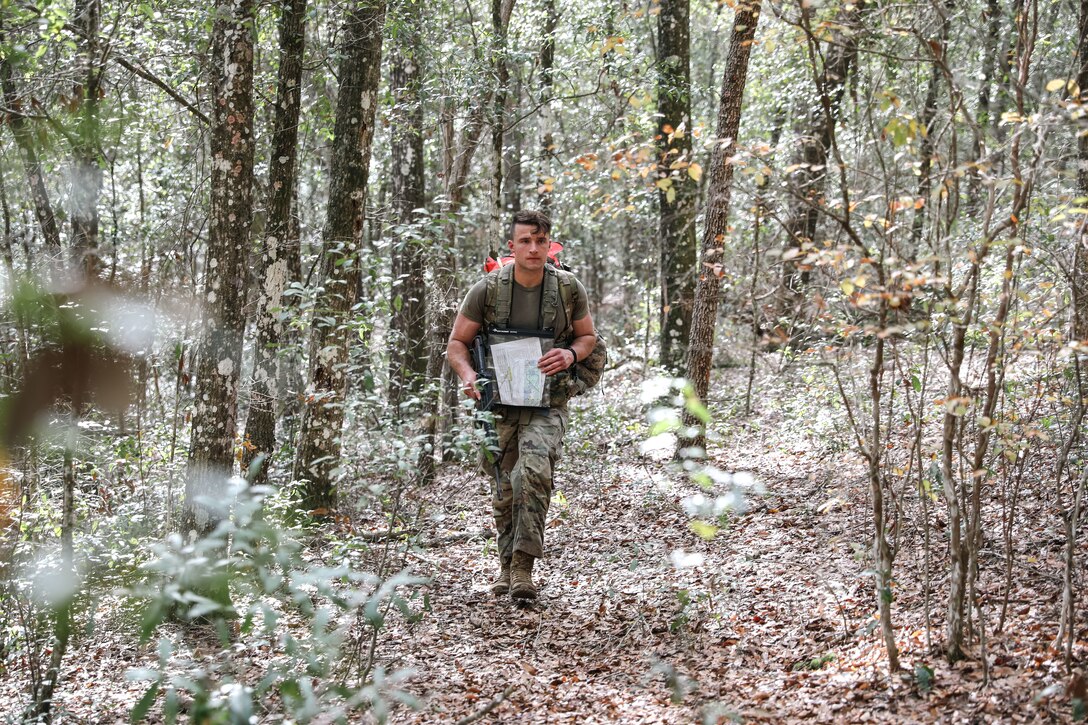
x,y
529,446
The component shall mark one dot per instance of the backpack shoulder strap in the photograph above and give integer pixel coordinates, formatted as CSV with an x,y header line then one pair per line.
x,y
550,303
564,289
500,293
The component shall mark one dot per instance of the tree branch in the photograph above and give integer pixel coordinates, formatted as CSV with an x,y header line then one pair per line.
x,y
149,76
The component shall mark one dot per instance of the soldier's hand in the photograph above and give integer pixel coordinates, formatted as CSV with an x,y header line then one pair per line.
x,y
469,385
556,361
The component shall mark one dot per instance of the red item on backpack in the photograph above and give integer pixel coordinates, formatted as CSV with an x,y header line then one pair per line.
x,y
492,264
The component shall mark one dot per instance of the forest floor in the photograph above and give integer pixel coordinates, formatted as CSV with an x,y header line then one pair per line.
x,y
642,620
776,623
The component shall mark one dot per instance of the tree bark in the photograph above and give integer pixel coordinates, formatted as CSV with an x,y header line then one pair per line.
x,y
980,132
512,165
544,179
700,351
960,546
938,47
807,181
280,249
882,551
211,449
1080,273
457,162
32,166
86,177
317,461
500,20
408,343
678,191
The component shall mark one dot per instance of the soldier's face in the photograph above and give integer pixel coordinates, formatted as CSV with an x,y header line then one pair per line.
x,y
530,247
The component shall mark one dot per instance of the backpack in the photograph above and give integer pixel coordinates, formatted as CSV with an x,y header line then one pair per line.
x,y
559,288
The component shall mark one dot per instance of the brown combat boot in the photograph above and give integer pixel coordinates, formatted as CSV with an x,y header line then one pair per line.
x,y
521,576
501,585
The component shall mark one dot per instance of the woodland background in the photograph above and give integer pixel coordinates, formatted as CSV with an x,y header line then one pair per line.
x,y
839,244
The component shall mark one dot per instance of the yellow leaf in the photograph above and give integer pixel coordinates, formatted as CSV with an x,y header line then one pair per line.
x,y
670,195
695,171
847,286
704,530
1056,85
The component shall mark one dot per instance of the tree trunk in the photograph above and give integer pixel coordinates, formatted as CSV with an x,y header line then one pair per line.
x,y
1080,272
211,449
457,162
500,20
86,180
42,706
544,180
979,134
960,546
280,250
938,47
291,374
32,166
882,551
512,165
408,339
678,191
86,183
700,352
317,459
806,182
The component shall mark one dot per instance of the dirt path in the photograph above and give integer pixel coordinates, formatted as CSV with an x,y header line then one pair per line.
x,y
641,620
775,624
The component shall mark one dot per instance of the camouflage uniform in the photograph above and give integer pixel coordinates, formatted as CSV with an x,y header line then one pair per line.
x,y
530,443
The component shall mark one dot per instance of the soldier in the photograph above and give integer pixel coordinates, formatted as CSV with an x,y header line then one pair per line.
x,y
529,440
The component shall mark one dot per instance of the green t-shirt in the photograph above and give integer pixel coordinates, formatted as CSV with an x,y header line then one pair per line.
x,y
525,305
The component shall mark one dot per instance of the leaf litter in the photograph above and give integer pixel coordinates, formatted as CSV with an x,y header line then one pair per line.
x,y
770,620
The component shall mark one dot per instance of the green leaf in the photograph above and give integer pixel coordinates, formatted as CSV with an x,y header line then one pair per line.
x,y
153,615
140,711
696,408
923,677
916,383
664,426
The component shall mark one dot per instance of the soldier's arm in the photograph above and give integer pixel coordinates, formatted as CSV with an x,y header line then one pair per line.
x,y
458,356
559,359
585,337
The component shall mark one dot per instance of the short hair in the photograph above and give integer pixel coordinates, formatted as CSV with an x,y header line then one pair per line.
x,y
531,217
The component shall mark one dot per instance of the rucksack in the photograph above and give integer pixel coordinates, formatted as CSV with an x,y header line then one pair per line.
x,y
492,263
559,288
